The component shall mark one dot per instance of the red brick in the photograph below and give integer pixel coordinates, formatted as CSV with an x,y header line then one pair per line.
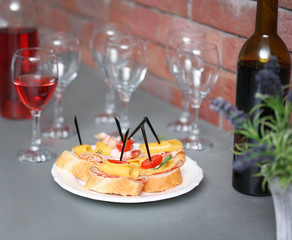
x,y
230,51
284,27
144,22
225,86
286,3
56,19
169,23
163,89
119,12
207,114
178,7
157,62
225,125
231,16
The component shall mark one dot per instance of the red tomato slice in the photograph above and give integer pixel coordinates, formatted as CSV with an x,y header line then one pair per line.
x,y
155,160
117,161
128,146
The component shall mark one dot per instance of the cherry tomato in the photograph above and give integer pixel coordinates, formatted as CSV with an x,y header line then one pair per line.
x,y
128,146
155,161
117,161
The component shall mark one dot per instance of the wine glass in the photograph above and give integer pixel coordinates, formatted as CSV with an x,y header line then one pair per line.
x,y
67,49
125,64
34,75
99,36
173,40
197,67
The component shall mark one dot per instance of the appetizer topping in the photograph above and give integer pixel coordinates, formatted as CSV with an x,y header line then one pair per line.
x,y
128,147
82,148
123,170
107,139
155,161
92,157
164,146
105,149
115,153
117,161
164,162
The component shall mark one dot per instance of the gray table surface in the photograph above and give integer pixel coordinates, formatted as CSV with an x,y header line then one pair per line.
x,y
33,206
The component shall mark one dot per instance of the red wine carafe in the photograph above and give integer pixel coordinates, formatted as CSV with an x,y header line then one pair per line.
x,y
17,30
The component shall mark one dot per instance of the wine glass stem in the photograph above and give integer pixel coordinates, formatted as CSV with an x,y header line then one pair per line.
x,y
110,99
58,110
185,116
36,137
194,130
125,124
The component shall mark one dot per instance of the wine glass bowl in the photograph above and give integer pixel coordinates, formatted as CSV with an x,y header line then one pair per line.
x,y
97,43
197,68
125,64
34,75
174,38
67,49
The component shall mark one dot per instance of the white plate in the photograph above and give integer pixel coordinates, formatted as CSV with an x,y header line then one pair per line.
x,y
191,172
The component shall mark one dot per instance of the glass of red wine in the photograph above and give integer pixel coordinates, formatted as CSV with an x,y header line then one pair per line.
x,y
34,75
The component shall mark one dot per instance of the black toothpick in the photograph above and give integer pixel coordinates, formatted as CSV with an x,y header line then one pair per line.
x,y
146,141
152,129
77,130
119,129
137,128
124,144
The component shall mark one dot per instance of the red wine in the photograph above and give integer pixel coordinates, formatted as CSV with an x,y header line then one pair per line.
x,y
35,90
12,39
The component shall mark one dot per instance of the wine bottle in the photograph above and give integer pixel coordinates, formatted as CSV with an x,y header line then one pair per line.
x,y
256,51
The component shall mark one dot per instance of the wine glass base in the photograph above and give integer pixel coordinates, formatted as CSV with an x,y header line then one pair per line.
x,y
199,144
58,133
105,118
178,126
40,155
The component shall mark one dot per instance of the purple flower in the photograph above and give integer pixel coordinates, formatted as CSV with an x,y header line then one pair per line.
x,y
269,79
253,156
225,108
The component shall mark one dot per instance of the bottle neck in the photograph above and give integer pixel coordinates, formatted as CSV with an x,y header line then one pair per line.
x,y
267,17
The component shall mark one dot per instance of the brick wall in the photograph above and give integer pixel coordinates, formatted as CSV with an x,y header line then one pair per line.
x,y
228,23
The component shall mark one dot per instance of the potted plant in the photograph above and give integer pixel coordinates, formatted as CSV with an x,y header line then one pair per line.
x,y
271,145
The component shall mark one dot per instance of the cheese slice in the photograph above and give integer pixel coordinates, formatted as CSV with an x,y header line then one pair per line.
x,y
123,170
164,146
105,149
82,148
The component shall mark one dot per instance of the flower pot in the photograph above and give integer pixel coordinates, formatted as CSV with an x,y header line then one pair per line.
x,y
283,210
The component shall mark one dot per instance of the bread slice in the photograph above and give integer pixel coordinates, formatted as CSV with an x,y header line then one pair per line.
x,y
164,181
121,185
75,165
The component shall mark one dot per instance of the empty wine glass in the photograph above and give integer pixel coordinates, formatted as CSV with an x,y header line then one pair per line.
x,y
125,64
67,49
34,76
99,36
197,68
173,40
